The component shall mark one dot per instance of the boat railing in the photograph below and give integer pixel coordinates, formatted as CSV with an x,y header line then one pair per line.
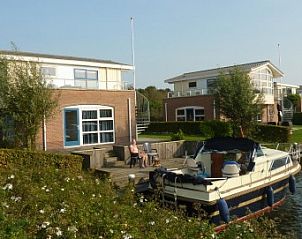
x,y
294,149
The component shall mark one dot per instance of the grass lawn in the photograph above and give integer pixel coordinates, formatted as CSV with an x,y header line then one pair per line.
x,y
296,136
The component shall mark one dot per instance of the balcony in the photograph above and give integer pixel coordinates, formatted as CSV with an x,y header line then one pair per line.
x,y
195,92
87,84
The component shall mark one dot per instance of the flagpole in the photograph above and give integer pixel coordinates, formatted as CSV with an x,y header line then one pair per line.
x,y
133,64
132,48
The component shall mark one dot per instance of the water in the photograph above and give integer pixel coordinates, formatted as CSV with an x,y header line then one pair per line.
x,y
289,215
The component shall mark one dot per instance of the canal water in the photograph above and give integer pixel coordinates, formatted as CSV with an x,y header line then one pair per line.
x,y
289,215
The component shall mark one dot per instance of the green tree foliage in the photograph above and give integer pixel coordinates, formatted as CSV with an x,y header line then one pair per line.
x,y
155,97
294,98
237,100
25,100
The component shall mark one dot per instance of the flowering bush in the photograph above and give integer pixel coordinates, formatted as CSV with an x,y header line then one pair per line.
x,y
53,202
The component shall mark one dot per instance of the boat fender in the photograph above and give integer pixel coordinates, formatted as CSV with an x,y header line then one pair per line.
x,y
224,211
292,184
270,196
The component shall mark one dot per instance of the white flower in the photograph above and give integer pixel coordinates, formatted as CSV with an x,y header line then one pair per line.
x,y
97,181
62,210
47,190
45,224
58,232
93,195
44,187
16,199
67,179
62,189
42,211
8,186
72,229
11,176
127,236
167,220
111,231
4,204
152,223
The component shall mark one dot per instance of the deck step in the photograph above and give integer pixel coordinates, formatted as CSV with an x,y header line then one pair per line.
x,y
110,161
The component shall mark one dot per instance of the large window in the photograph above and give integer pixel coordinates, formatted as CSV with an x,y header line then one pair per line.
x,y
86,78
48,71
193,113
88,125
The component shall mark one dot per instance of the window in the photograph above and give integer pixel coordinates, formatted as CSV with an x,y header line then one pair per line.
x,y
86,78
277,163
192,84
48,71
211,84
94,126
190,114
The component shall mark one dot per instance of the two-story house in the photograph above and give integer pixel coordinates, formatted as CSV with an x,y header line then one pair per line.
x,y
95,105
191,99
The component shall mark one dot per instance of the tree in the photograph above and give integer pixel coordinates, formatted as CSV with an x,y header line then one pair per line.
x,y
25,101
155,97
237,100
294,98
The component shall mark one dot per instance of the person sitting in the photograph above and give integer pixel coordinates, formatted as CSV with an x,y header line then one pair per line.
x,y
133,152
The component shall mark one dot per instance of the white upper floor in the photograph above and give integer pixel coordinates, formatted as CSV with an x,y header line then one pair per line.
x,y
76,72
262,75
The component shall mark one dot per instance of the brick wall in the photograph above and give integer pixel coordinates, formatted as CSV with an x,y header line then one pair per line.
x,y
72,97
205,101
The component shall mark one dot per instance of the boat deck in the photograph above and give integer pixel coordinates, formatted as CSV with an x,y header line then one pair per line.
x,y
120,171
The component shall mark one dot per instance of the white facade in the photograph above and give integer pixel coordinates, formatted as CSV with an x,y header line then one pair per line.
x,y
74,72
262,75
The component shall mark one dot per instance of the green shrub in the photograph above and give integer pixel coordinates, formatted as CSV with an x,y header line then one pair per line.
x,y
10,158
178,136
215,128
271,133
192,128
297,118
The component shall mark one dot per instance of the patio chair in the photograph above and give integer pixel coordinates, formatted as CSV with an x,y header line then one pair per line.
x,y
152,153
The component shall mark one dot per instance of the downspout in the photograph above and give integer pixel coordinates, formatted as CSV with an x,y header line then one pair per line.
x,y
166,112
129,119
44,134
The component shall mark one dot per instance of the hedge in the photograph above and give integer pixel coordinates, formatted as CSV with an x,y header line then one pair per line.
x,y
271,133
297,118
174,127
10,158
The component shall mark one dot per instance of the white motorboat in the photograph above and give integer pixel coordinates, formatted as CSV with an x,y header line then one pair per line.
x,y
230,179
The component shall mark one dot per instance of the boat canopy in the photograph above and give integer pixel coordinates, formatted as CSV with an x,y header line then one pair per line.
x,y
229,143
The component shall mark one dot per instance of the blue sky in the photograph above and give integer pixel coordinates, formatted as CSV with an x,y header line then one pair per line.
x,y
171,36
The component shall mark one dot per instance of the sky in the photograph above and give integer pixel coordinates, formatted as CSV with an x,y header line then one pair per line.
x,y
171,37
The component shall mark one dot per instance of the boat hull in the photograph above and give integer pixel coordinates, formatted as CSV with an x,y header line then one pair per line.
x,y
252,203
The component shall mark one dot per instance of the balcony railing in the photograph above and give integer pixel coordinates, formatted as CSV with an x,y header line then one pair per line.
x,y
187,93
87,84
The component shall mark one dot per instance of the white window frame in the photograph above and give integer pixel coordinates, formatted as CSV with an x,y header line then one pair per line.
x,y
98,119
185,113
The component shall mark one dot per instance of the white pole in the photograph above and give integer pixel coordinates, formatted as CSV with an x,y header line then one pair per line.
x,y
132,47
44,134
166,112
133,64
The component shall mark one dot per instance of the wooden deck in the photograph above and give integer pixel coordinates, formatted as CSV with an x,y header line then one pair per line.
x,y
119,172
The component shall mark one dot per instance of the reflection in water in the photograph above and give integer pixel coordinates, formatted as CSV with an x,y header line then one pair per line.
x,y
289,215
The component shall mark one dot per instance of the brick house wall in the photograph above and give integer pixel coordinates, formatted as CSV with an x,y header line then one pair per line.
x,y
269,113
205,101
72,97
